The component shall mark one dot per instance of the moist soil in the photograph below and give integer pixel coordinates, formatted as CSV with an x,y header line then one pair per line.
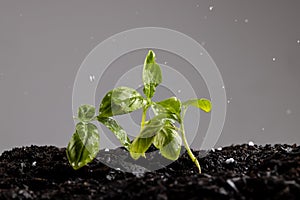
x,y
233,172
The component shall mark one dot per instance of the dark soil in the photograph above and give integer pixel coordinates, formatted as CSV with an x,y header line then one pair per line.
x,y
257,172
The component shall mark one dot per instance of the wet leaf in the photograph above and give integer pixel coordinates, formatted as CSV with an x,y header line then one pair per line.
x,y
170,106
152,76
83,146
168,142
86,113
119,132
120,101
203,104
142,142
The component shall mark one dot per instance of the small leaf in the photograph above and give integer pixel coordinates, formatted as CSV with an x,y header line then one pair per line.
x,y
152,76
119,132
83,146
168,142
203,104
120,101
86,113
168,106
142,142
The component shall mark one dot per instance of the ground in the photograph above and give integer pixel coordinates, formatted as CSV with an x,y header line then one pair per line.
x,y
233,172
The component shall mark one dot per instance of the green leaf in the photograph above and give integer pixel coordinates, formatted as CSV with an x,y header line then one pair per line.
x,y
168,142
142,142
168,106
86,113
203,104
119,132
120,101
83,146
152,76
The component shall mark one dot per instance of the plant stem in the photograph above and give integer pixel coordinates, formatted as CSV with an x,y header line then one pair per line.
x,y
143,118
186,145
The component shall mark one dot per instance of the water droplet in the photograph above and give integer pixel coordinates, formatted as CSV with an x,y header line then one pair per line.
x,y
211,8
235,20
229,160
197,5
229,100
106,150
92,78
109,94
20,14
179,91
203,43
223,87
201,54
73,164
118,169
213,150
274,59
246,20
219,148
34,163
109,177
166,62
262,129
298,41
251,143
288,112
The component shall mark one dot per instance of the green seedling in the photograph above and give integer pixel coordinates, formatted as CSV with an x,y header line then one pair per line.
x,y
165,130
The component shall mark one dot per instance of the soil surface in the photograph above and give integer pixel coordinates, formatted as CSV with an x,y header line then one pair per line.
x,y
233,172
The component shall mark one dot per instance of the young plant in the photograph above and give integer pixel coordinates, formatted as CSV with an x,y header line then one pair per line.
x,y
161,130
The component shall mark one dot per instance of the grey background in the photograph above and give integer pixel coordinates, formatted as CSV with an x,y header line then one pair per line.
x,y
254,44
